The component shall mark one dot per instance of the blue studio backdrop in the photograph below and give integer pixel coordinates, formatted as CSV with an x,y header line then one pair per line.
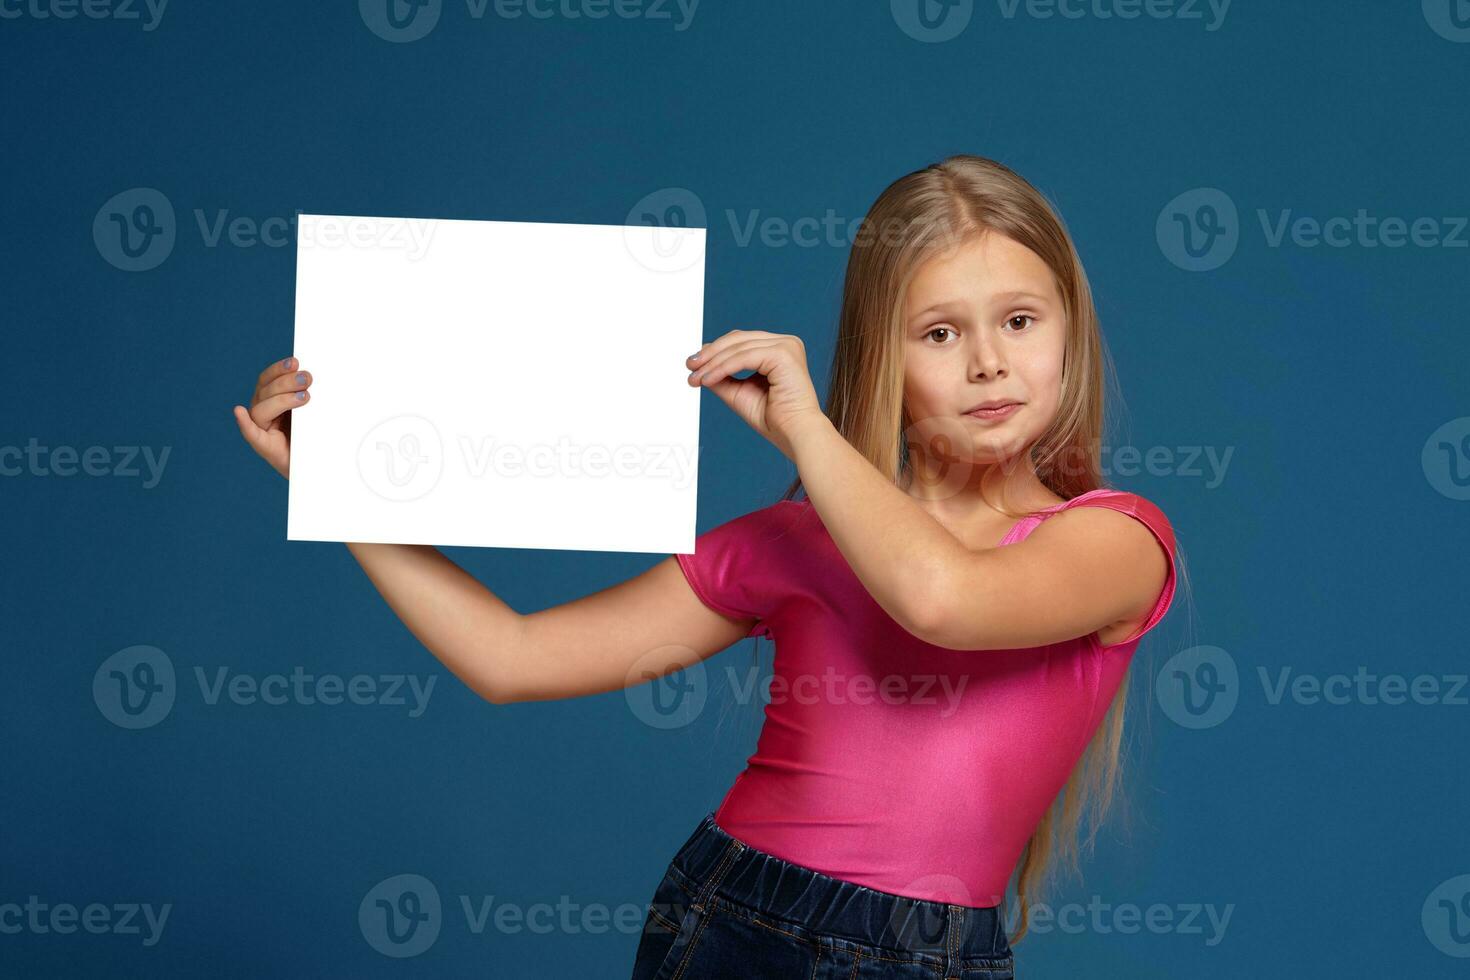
x,y
1270,201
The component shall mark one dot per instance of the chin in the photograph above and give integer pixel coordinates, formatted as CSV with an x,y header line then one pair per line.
x,y
998,449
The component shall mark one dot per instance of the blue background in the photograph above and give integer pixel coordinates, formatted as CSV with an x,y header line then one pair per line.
x,y
1327,545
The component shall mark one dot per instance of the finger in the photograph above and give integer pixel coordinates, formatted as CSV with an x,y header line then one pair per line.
x,y
290,381
275,370
735,392
743,356
254,434
248,428
721,343
267,411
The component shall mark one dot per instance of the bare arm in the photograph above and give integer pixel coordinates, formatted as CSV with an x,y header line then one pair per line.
x,y
645,627
626,634
896,549
1081,571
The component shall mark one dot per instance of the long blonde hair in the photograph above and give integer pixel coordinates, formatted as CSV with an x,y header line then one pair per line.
x,y
919,215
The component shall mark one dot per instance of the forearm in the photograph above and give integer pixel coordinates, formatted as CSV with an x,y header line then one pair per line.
x,y
891,543
453,615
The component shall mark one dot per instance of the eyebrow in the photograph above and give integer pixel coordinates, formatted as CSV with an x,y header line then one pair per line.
x,y
1010,296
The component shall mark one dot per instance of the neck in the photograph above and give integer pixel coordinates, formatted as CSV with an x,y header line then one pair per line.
x,y
956,490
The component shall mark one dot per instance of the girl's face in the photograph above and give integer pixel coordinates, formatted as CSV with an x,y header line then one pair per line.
x,y
983,322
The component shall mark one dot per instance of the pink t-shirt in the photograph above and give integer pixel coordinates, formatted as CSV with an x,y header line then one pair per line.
x,y
884,760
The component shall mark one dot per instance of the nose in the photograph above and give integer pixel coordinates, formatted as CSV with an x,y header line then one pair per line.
x,y
987,359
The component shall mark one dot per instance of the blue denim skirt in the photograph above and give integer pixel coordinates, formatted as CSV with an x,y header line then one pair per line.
x,y
727,910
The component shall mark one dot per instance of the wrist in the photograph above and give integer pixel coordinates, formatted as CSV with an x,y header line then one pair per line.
x,y
809,430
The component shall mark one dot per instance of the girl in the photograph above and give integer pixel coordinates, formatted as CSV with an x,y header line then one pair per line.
x,y
957,594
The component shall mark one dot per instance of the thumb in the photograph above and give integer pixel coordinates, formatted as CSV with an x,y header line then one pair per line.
x,y
728,390
744,396
248,428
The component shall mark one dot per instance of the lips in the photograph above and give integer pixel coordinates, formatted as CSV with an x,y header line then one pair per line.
x,y
997,409
993,403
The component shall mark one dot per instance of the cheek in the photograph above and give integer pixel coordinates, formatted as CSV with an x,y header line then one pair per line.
x,y
918,389
1044,376
1050,387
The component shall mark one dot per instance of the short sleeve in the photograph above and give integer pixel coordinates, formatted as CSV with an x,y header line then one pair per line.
x,y
735,567
1152,518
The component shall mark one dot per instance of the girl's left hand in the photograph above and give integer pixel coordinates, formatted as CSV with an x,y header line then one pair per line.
x,y
774,400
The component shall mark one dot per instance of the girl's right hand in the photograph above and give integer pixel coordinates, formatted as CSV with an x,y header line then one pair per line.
x,y
267,425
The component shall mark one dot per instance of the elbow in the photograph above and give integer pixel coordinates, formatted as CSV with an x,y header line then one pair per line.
x,y
939,620
496,695
928,616
939,631
924,623
948,634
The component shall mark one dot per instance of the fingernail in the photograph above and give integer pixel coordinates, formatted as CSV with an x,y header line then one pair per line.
x,y
301,396
301,379
286,363
693,357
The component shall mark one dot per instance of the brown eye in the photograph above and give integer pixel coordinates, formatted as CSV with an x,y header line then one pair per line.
x,y
939,330
1021,316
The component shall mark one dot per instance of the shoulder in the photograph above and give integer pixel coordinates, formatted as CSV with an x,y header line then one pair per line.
x,y
1112,533
747,566
1122,536
1148,521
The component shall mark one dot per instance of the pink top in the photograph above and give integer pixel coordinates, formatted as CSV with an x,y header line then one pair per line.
x,y
884,760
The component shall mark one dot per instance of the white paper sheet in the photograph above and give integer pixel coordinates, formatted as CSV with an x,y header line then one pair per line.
x,y
496,383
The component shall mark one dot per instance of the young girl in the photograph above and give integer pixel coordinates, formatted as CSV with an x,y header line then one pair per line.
x,y
957,595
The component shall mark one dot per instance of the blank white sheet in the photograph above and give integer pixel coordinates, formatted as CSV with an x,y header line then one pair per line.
x,y
496,383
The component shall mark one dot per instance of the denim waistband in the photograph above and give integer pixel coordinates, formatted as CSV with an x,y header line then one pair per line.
x,y
719,865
